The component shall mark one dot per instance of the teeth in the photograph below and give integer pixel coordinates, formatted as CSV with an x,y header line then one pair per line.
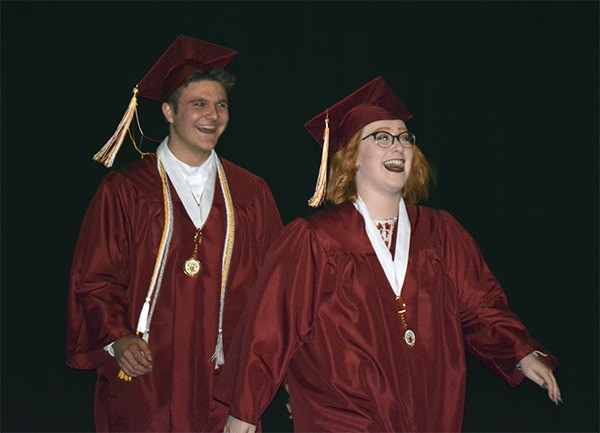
x,y
207,128
394,163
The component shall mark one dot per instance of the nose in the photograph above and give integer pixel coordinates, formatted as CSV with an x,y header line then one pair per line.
x,y
396,145
212,112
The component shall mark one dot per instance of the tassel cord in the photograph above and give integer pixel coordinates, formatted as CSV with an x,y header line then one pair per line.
x,y
321,186
106,155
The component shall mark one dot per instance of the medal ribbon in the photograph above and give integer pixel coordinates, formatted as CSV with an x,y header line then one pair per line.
x,y
395,270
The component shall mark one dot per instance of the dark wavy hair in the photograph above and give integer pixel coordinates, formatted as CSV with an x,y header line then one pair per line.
x,y
224,78
341,187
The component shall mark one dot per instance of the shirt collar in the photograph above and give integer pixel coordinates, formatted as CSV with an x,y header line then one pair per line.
x,y
207,170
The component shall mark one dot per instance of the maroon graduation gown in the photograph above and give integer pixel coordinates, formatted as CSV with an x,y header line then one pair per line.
x,y
327,318
111,272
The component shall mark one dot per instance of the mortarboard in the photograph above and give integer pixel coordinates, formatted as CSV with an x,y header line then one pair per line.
x,y
373,101
182,59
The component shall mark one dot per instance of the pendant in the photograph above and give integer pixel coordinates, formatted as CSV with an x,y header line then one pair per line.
x,y
410,337
192,267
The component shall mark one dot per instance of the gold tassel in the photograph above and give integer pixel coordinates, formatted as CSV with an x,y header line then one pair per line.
x,y
317,199
124,376
107,154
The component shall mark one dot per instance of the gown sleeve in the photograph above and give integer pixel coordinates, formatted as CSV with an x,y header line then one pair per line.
x,y
492,332
97,303
275,323
268,215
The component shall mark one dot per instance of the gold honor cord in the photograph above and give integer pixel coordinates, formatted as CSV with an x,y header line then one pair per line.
x,y
143,327
161,259
219,356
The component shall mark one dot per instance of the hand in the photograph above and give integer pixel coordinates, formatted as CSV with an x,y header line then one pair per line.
x,y
539,373
133,355
234,425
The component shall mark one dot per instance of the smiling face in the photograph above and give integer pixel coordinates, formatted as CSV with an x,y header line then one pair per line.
x,y
382,172
201,117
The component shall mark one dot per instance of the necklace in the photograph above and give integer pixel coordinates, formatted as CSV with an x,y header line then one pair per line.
x,y
192,266
386,229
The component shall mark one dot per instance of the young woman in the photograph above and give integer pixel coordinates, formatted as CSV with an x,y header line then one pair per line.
x,y
366,309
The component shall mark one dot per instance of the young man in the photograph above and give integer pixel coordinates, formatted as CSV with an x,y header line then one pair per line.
x,y
167,256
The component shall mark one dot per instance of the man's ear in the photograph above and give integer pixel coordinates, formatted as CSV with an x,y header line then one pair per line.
x,y
167,110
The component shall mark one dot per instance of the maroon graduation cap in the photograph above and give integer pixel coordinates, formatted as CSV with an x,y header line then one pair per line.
x,y
182,59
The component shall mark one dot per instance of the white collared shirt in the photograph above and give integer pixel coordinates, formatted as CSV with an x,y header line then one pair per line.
x,y
195,186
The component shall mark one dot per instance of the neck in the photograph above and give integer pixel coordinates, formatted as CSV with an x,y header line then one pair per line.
x,y
381,206
193,158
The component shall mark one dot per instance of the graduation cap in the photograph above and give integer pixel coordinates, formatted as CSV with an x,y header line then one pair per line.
x,y
372,102
185,57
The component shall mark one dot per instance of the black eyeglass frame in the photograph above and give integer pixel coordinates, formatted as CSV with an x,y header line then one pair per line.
x,y
412,139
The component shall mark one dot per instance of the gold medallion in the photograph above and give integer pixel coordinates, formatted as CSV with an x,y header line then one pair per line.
x,y
192,267
410,337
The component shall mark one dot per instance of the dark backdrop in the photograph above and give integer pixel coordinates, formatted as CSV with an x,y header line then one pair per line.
x,y
505,98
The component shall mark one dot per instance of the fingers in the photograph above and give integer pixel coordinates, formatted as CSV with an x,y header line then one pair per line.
x,y
553,390
145,348
545,378
540,374
549,384
133,356
133,368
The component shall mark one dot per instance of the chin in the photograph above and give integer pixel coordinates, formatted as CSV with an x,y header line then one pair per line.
x,y
206,146
396,189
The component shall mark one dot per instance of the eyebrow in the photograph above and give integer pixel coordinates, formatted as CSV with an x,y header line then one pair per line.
x,y
388,129
220,101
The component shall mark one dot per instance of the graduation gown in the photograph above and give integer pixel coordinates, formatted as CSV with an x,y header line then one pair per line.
x,y
111,272
327,322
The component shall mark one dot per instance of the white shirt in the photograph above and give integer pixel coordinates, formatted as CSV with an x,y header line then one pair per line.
x,y
195,186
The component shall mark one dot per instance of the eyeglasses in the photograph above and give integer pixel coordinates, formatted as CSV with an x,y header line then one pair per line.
x,y
385,140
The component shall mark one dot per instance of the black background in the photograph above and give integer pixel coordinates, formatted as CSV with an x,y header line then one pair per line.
x,y
505,99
